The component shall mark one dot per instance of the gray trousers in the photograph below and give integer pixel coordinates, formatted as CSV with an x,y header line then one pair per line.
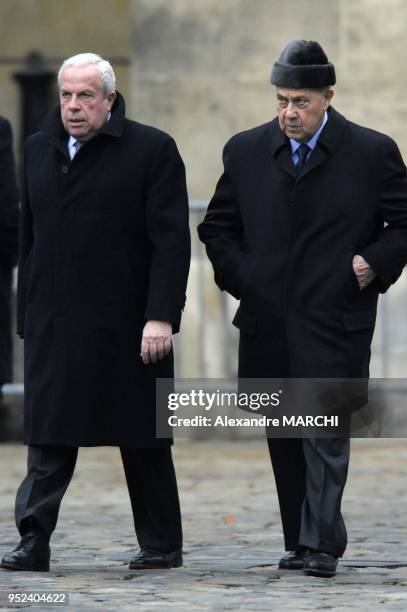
x,y
151,482
310,475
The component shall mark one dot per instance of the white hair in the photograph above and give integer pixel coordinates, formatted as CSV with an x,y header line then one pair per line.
x,y
107,76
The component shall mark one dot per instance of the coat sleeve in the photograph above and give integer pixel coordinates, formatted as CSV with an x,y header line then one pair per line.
x,y
168,232
26,242
222,232
9,198
388,255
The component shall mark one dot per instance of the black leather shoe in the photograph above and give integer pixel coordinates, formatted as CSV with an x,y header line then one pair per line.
x,y
32,554
294,560
320,564
155,559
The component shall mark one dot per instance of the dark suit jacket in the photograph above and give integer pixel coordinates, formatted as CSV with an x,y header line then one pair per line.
x,y
284,245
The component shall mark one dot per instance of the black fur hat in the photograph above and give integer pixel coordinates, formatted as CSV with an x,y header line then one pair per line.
x,y
303,65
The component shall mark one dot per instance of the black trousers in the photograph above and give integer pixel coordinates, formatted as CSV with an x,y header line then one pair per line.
x,y
310,475
151,482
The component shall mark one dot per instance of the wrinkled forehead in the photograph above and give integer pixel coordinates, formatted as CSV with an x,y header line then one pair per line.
x,y
80,77
292,94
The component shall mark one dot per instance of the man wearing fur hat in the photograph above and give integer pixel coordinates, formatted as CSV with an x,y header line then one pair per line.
x,y
308,224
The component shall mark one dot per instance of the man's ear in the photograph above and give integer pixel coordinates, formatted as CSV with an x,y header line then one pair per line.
x,y
111,98
328,95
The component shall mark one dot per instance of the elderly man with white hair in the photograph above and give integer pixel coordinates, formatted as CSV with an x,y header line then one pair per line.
x,y
104,260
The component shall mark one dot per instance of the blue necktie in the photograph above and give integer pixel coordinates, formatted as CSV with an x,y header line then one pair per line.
x,y
302,153
76,146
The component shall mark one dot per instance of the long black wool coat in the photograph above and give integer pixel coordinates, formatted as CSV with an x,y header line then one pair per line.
x,y
105,246
284,246
9,211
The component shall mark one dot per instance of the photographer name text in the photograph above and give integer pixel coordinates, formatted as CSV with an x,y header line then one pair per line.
x,y
261,421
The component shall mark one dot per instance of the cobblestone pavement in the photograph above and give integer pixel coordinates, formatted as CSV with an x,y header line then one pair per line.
x,y
232,534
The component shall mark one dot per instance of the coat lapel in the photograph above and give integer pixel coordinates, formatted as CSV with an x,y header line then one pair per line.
x,y
285,161
316,158
60,141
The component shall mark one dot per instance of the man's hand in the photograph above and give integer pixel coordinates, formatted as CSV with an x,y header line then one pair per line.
x,y
156,341
363,271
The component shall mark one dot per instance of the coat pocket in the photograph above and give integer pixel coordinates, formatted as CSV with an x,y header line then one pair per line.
x,y
355,321
245,322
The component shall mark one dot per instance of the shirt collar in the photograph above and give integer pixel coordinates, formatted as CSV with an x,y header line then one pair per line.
x,y
312,141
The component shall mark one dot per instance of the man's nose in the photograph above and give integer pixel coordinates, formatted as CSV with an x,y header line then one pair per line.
x,y
290,111
74,103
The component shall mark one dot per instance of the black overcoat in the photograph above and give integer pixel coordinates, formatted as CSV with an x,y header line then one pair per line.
x,y
9,211
105,247
284,246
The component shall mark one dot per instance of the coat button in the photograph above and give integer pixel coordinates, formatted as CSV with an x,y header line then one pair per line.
x,y
64,169
291,197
